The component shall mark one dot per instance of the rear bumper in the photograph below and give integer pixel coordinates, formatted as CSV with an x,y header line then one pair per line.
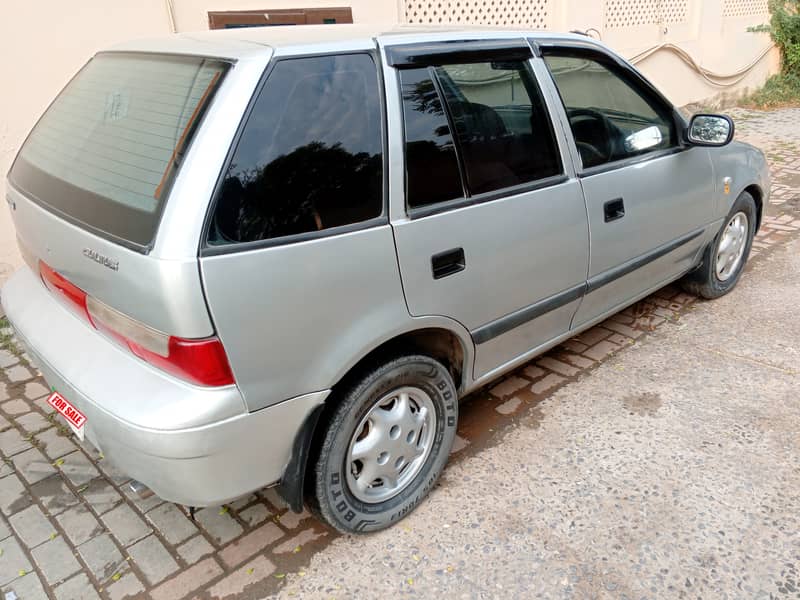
x,y
190,445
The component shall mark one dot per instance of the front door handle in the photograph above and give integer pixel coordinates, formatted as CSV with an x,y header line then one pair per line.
x,y
448,262
613,210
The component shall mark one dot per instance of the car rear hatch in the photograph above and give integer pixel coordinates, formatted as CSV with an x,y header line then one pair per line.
x,y
87,193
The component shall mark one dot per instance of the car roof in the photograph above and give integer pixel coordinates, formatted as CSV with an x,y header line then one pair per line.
x,y
244,41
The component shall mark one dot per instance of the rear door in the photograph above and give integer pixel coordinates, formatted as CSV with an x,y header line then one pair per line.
x,y
648,198
493,228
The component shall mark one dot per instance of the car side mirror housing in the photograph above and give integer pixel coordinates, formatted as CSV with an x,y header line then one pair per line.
x,y
644,139
710,130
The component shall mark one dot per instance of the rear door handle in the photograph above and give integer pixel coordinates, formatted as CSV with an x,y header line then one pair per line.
x,y
448,262
613,210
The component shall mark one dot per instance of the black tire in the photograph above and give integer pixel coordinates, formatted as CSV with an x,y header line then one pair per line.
x,y
704,281
332,499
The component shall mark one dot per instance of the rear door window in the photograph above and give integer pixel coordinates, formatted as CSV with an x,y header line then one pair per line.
x,y
105,153
310,157
474,128
501,123
429,143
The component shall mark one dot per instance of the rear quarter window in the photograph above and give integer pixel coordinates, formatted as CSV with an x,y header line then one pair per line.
x,y
310,157
106,151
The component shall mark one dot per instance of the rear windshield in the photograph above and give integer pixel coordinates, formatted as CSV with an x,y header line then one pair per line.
x,y
106,151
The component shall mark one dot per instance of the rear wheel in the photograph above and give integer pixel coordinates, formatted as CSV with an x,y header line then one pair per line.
x,y
386,445
725,258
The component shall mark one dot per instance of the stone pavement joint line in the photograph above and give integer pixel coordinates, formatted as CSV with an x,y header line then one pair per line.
x,y
69,527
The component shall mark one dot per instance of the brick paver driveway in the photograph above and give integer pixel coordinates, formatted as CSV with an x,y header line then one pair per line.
x,y
70,528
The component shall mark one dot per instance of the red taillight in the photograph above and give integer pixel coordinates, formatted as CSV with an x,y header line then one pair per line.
x,y
75,296
202,361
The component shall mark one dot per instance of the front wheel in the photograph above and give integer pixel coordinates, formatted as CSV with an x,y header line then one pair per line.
x,y
725,258
386,445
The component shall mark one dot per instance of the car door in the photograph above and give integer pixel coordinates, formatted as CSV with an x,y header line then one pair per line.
x,y
649,199
491,226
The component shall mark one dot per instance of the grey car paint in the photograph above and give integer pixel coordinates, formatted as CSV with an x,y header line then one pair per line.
x,y
296,318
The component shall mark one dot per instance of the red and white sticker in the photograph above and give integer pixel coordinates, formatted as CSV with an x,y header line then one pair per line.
x,y
75,418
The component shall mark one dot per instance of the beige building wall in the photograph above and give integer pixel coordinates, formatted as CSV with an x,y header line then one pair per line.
x,y
43,44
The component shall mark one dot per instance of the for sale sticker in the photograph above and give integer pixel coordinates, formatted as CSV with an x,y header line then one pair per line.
x,y
74,417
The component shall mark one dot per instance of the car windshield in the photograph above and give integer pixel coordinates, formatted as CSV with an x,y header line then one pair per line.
x,y
106,151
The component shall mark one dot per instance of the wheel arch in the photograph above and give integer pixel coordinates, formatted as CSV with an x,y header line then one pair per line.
x,y
439,338
758,195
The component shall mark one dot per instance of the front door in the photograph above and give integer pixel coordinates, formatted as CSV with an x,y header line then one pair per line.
x,y
493,233
648,198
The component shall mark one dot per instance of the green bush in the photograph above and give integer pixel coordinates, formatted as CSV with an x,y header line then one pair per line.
x,y
784,27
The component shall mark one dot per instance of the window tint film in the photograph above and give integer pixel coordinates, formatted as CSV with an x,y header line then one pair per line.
x,y
106,151
610,118
310,157
432,174
502,126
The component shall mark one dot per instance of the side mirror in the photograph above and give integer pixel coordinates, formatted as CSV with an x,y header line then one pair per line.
x,y
710,130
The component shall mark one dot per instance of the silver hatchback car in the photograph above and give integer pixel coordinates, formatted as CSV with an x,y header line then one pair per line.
x,y
280,256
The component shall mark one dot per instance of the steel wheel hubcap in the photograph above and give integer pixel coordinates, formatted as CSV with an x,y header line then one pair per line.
x,y
390,444
731,246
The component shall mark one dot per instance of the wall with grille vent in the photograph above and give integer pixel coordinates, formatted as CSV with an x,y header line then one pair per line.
x,y
533,14
633,13
744,8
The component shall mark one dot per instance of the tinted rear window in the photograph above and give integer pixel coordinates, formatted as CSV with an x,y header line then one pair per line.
x,y
106,151
310,157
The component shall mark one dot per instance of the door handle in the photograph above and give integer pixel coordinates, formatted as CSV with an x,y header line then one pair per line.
x,y
448,262
613,210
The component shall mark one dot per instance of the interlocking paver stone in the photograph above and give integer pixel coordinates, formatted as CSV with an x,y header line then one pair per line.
x,y
12,561
253,542
35,389
32,526
153,559
127,587
6,360
112,472
219,524
28,587
33,422
298,541
16,407
18,373
55,560
33,465
188,581
195,549
508,387
600,350
11,442
291,519
54,494
125,525
255,514
13,496
5,530
558,366
78,469
101,556
171,523
79,524
53,444
77,588
236,582
547,383
101,495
